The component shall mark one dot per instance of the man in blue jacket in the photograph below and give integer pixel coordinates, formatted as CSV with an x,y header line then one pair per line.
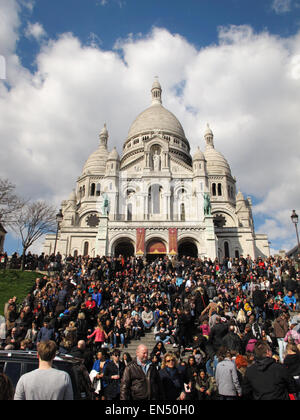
x,y
46,333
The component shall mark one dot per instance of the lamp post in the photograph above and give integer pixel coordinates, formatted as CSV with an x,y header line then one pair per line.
x,y
59,219
294,218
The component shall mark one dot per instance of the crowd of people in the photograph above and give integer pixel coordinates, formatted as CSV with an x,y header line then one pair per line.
x,y
233,325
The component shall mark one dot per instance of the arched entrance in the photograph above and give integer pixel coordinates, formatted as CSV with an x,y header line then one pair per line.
x,y
125,248
187,248
155,249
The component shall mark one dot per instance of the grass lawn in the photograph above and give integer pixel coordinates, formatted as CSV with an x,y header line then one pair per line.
x,y
15,283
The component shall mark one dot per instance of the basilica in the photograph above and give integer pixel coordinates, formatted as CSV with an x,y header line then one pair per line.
x,y
158,198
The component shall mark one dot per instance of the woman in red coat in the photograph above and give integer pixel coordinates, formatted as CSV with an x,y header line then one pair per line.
x,y
100,337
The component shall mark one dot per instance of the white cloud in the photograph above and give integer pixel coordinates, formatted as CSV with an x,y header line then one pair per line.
x,y
35,30
246,86
282,6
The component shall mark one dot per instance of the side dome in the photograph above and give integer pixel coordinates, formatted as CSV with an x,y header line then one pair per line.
x,y
199,155
216,163
114,155
96,163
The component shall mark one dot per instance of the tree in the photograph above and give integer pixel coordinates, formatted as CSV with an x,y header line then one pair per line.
x,y
32,222
10,203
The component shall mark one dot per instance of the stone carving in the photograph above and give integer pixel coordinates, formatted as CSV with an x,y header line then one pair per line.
x,y
105,205
207,205
156,161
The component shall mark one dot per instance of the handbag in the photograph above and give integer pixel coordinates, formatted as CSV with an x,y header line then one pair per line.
x,y
96,383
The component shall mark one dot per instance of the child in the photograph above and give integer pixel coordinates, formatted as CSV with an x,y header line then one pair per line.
x,y
205,329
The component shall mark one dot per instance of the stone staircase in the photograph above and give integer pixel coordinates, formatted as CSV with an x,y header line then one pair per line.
x,y
148,340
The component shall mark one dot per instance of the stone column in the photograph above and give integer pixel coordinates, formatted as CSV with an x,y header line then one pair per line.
x,y
101,245
211,241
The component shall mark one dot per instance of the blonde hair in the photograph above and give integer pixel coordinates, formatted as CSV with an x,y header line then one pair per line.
x,y
166,356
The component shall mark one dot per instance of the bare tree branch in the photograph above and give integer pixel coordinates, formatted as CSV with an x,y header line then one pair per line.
x,y
33,221
10,203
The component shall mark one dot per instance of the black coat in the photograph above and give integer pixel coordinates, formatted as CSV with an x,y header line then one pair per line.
x,y
112,390
135,385
173,385
217,333
292,363
268,380
259,298
232,342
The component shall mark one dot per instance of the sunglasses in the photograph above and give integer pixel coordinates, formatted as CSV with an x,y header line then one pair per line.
x,y
170,360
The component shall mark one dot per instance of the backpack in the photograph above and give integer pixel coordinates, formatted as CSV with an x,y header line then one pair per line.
x,y
251,345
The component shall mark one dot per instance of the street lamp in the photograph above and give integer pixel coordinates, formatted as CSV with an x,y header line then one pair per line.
x,y
59,219
294,218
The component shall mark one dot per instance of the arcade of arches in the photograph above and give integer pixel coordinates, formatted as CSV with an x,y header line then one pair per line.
x,y
155,248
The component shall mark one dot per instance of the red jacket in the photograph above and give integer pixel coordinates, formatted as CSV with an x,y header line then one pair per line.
x,y
99,335
90,304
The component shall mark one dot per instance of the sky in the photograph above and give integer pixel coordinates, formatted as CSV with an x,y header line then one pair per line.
x,y
69,66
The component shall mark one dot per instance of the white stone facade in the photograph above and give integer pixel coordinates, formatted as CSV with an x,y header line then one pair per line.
x,y
155,197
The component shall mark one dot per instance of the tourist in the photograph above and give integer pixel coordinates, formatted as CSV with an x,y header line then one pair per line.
x,y
281,328
172,379
6,388
266,379
45,383
112,374
229,387
141,380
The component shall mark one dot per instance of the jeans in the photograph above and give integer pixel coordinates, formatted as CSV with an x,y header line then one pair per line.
x,y
282,346
148,325
122,339
260,311
165,341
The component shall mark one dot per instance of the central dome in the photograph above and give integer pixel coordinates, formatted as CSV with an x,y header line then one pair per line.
x,y
156,117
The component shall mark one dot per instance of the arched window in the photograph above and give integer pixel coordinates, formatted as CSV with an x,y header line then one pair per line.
x,y
75,253
213,188
129,211
155,199
93,187
219,189
226,250
237,254
86,249
98,190
182,212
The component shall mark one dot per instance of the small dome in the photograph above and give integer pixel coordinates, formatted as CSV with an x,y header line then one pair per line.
x,y
156,84
114,155
73,196
208,131
199,155
104,132
215,162
240,197
96,163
